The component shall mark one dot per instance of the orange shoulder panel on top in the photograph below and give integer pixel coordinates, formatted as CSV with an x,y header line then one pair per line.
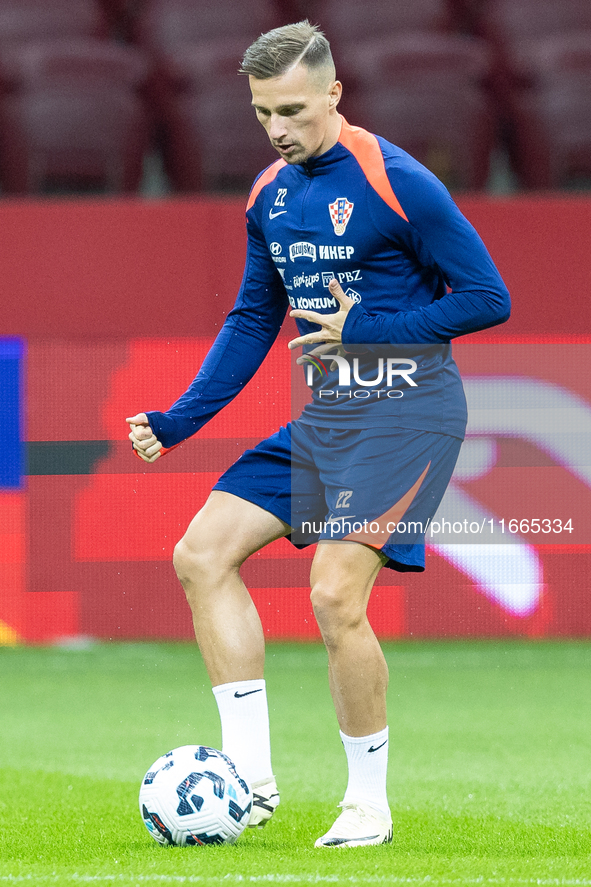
x,y
263,180
365,148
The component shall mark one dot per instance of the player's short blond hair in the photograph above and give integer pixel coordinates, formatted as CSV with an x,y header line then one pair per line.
x,y
279,50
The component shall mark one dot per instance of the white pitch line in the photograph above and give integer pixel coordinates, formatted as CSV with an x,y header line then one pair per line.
x,y
427,880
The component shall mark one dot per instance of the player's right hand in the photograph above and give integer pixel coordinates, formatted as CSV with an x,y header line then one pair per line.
x,y
144,441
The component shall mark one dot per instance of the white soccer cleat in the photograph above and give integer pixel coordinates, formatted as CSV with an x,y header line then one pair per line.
x,y
359,825
265,800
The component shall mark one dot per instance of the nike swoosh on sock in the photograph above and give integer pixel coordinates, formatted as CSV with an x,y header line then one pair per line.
x,y
371,748
238,695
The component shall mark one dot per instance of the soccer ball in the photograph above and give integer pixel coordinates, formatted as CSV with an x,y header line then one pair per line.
x,y
193,795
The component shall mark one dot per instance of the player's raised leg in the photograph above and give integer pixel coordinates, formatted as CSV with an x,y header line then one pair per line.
x,y
343,574
228,630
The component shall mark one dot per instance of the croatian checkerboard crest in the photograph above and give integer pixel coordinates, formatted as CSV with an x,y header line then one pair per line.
x,y
340,213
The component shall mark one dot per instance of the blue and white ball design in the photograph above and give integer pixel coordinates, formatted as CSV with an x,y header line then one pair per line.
x,y
192,796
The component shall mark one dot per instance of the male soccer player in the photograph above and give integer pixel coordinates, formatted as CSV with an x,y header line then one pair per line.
x,y
391,272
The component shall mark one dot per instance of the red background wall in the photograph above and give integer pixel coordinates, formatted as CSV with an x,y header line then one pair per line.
x,y
118,301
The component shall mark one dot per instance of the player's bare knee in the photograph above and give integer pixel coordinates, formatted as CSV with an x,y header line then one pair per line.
x,y
335,612
198,565
183,562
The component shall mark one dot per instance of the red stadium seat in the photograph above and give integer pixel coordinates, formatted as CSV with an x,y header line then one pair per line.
x,y
73,118
122,14
448,129
531,40
534,60
214,143
122,7
22,20
349,23
419,55
543,93
508,23
552,131
425,93
513,29
193,66
464,15
163,25
73,62
212,139
346,21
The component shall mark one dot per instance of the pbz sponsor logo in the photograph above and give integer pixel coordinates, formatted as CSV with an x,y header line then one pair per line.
x,y
341,276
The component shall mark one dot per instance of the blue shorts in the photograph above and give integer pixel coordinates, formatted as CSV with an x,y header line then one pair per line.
x,y
377,486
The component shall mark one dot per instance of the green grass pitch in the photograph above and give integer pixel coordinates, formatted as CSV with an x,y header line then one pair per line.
x,y
489,779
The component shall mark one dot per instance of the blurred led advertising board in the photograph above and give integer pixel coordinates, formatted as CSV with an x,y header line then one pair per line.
x,y
508,551
12,406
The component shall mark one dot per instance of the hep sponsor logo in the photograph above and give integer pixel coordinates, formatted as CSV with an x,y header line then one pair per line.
x,y
305,250
336,252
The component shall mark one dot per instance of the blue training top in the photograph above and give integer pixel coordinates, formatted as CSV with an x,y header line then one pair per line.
x,y
370,215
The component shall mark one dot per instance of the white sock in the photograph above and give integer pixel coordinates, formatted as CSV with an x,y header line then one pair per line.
x,y
245,728
367,757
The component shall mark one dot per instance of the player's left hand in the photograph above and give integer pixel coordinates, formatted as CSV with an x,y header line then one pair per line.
x,y
143,439
332,324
